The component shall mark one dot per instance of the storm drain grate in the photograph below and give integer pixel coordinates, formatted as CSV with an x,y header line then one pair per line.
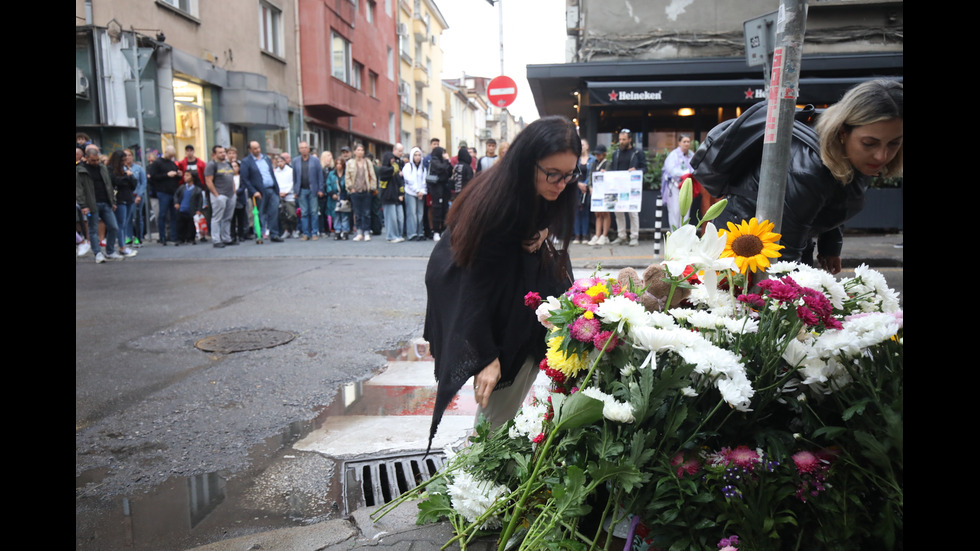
x,y
240,341
378,480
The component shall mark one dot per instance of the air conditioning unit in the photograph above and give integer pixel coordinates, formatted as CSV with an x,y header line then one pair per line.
x,y
402,29
404,89
81,84
486,133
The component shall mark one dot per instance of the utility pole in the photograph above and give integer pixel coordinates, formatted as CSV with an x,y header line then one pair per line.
x,y
783,91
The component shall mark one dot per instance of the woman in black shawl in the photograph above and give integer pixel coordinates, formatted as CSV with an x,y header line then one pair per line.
x,y
497,247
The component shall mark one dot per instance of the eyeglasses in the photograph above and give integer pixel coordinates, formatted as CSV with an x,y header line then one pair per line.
x,y
555,177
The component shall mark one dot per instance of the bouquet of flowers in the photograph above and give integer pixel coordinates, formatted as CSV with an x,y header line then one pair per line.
x,y
766,418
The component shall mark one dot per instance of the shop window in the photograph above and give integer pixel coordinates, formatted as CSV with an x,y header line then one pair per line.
x,y
340,58
190,119
270,29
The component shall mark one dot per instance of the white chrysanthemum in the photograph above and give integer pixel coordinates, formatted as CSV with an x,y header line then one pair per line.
x,y
689,391
654,339
612,409
885,297
737,392
529,421
872,328
627,370
544,311
619,308
782,267
680,314
741,326
823,281
472,497
836,342
660,319
705,320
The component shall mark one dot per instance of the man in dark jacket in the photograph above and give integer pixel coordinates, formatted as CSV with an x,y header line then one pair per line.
x,y
628,157
258,176
392,192
95,196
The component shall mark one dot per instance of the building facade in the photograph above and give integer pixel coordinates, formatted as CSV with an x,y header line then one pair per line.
x,y
349,73
208,74
422,99
664,68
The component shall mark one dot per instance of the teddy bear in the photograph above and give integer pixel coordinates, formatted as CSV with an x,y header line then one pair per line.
x,y
657,289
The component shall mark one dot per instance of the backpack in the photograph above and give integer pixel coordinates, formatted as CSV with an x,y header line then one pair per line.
x,y
458,177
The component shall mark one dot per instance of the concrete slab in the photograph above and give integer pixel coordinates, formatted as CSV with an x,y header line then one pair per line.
x,y
355,435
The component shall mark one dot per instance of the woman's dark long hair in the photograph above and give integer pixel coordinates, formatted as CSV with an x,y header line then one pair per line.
x,y
116,162
505,195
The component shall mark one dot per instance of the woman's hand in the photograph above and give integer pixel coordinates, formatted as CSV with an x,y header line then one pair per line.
x,y
485,381
532,245
830,263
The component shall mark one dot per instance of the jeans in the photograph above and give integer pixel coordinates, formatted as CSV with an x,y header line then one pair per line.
x,y
166,211
394,220
222,209
582,213
124,223
102,211
414,208
308,206
342,222
361,203
269,212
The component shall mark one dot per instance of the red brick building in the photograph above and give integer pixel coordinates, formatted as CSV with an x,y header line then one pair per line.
x,y
348,67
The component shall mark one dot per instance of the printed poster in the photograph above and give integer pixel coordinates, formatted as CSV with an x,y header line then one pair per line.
x,y
617,191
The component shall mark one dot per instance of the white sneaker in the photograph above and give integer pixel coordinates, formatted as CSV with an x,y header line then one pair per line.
x,y
603,240
576,241
634,242
114,255
435,236
127,252
84,248
359,237
398,240
594,240
99,257
618,241
367,236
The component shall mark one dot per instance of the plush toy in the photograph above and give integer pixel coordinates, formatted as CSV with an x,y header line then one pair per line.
x,y
656,289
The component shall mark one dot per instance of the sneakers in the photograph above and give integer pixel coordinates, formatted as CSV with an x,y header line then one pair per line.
x,y
576,241
620,240
315,237
398,240
84,248
128,252
634,242
295,234
594,240
603,240
435,236
359,237
114,255
303,238
99,257
367,237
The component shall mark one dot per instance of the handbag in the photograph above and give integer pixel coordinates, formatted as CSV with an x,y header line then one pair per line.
x,y
343,205
431,179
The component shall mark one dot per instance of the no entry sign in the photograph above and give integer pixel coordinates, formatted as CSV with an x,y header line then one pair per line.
x,y
502,91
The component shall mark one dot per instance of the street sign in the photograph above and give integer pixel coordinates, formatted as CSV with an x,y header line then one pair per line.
x,y
502,91
760,38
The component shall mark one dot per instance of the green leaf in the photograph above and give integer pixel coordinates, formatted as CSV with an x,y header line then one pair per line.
x,y
576,410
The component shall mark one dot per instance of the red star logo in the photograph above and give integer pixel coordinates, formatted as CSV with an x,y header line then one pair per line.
x,y
749,93
613,95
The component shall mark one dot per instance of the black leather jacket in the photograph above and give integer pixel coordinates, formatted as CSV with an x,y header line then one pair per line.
x,y
728,164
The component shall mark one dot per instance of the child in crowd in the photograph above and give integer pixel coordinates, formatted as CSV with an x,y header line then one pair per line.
x,y
189,204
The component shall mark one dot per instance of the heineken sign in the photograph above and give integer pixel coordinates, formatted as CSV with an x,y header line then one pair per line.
x,y
685,93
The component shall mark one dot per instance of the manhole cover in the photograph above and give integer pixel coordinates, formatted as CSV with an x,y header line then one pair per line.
x,y
240,341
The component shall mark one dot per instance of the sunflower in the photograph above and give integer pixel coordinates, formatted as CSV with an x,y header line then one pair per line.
x,y
752,244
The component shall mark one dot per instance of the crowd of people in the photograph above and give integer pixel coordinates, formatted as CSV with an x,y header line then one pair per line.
x,y
235,197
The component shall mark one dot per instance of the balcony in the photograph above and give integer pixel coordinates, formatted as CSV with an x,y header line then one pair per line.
x,y
421,76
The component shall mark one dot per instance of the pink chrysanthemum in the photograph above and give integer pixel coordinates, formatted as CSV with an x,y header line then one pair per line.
x,y
805,462
742,456
584,330
539,438
532,300
752,299
689,466
602,337
583,300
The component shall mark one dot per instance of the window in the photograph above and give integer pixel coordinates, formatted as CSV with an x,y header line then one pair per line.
x,y
388,7
187,6
340,57
355,80
418,50
418,100
428,109
270,29
373,83
369,11
391,64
